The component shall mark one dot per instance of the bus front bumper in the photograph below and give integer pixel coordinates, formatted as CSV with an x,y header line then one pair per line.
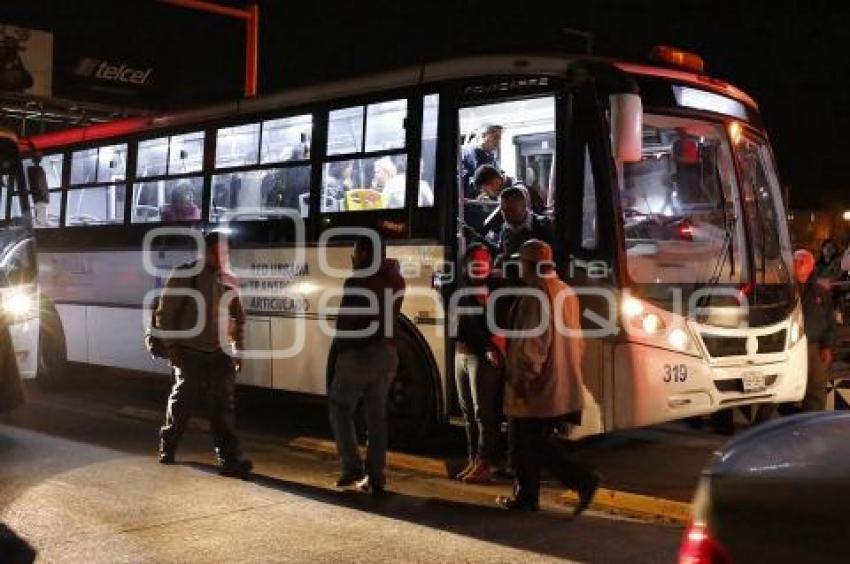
x,y
653,385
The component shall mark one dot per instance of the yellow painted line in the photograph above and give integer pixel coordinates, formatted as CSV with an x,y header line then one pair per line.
x,y
606,500
635,504
395,460
158,416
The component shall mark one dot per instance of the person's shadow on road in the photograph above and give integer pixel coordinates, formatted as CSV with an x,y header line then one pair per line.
x,y
547,533
14,549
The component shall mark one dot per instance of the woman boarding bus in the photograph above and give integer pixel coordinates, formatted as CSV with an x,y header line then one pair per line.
x,y
658,180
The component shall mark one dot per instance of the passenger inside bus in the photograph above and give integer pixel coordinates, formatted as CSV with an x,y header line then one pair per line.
x,y
363,182
479,150
366,184
523,148
182,206
481,212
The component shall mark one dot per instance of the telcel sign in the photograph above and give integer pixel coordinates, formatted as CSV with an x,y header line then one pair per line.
x,y
106,70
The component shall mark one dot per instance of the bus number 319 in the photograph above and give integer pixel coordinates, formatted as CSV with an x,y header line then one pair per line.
x,y
675,373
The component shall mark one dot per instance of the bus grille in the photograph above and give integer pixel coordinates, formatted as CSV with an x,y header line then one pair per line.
x,y
773,343
737,385
719,346
725,346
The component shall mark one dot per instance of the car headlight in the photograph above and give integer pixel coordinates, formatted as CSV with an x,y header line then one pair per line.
x,y
18,303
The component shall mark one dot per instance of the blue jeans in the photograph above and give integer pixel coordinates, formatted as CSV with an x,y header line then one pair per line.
x,y
479,392
362,373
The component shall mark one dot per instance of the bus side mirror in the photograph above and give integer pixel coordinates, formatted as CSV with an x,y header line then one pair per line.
x,y
626,127
38,184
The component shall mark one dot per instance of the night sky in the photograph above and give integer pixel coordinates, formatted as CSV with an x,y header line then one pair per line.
x,y
794,60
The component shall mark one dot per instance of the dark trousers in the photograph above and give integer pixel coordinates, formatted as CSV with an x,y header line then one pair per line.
x,y
532,445
479,391
815,398
366,373
212,375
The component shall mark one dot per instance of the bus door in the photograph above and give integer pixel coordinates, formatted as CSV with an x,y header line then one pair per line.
x,y
585,212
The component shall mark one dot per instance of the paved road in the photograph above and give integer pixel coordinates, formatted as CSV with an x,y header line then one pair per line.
x,y
661,461
80,483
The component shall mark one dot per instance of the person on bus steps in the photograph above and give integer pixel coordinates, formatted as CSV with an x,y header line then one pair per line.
x,y
201,363
543,382
479,362
521,224
489,183
480,151
366,362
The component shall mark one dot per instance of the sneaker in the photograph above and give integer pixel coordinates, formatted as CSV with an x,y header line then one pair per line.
x,y
514,504
236,468
371,487
586,493
166,457
480,473
348,480
460,475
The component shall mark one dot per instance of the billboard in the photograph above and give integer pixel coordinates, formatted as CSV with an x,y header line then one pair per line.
x,y
105,77
26,61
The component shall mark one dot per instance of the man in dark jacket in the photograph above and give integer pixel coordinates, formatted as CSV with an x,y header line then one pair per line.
x,y
480,152
521,224
819,323
200,360
366,362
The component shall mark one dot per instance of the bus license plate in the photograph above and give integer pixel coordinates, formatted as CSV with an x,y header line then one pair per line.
x,y
753,382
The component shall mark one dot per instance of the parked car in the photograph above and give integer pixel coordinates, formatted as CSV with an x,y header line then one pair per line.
x,y
779,492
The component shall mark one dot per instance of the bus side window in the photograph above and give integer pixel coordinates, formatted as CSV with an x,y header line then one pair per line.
x,y
365,182
259,194
167,201
428,159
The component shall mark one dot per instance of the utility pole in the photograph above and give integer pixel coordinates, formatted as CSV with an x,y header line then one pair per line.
x,y
251,17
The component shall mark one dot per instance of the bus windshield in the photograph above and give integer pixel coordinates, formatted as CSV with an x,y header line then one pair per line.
x,y
680,207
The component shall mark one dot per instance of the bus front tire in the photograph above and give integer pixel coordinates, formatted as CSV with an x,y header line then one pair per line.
x,y
412,398
52,356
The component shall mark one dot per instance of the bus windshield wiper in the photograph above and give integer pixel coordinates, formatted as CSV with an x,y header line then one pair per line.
x,y
726,250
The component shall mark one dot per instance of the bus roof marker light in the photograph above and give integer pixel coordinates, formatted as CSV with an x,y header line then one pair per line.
x,y
736,132
673,57
697,99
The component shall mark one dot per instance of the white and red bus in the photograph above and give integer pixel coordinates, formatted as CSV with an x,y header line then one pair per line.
x,y
660,182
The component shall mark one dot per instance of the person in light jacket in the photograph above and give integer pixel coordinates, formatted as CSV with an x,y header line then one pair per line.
x,y
543,388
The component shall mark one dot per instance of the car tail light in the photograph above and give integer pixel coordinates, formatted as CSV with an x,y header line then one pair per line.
x,y
698,547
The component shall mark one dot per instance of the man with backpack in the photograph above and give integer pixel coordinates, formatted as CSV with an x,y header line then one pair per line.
x,y
200,362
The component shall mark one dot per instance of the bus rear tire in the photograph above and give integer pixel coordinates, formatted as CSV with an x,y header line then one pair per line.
x,y
52,355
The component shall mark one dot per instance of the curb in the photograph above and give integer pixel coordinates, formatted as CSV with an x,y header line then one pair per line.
x,y
610,501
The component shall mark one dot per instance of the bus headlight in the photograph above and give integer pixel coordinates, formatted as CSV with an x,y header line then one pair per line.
x,y
679,339
645,322
18,303
652,324
795,331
